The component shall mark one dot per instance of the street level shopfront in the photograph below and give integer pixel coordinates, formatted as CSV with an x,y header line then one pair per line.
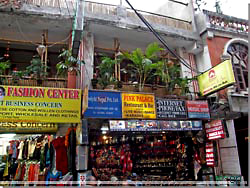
x,y
37,136
137,137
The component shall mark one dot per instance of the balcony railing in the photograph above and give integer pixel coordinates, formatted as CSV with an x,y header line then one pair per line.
x,y
227,23
110,10
27,81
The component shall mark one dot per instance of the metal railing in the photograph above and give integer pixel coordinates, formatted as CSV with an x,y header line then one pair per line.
x,y
28,81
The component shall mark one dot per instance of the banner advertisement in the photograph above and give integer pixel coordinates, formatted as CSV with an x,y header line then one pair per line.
x,y
180,125
169,108
198,109
217,78
153,125
39,104
103,104
22,127
214,130
138,106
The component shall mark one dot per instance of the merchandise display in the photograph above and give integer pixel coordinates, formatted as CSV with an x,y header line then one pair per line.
x,y
37,158
137,157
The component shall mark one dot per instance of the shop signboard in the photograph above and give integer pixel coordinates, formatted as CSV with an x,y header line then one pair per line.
x,y
153,125
210,154
102,104
138,106
217,78
214,130
169,108
180,125
23,127
198,109
39,104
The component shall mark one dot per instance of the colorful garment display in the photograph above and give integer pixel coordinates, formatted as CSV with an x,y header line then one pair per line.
x,y
35,158
61,153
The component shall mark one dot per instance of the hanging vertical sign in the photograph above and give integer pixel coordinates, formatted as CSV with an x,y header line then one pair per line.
x,y
169,108
198,109
214,130
210,154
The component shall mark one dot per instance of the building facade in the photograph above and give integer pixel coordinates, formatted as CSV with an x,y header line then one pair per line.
x,y
225,37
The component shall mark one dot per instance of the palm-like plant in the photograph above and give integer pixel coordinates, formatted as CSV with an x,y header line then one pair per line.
x,y
143,63
106,72
68,63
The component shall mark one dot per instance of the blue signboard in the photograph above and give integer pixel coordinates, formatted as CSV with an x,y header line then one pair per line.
x,y
103,104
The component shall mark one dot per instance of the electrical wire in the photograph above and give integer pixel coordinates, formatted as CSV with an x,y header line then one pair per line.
x,y
36,44
59,6
68,10
156,34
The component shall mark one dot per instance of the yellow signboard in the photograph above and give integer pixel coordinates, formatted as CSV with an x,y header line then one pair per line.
x,y
138,106
17,127
217,78
38,104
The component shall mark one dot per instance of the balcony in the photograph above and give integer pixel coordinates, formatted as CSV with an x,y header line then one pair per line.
x,y
226,23
67,8
27,81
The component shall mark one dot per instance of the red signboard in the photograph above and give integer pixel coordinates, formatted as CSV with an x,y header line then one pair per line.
x,y
214,130
210,154
198,109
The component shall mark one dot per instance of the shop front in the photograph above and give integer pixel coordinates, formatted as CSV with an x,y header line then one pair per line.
x,y
37,134
135,138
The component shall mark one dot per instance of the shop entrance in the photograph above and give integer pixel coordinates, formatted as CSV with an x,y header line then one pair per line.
x,y
144,155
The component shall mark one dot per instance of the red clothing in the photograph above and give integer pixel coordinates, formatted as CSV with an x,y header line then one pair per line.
x,y
61,155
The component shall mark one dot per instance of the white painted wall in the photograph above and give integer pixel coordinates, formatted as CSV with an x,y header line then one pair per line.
x,y
203,61
177,10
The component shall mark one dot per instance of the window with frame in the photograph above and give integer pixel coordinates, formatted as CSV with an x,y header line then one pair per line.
x,y
239,58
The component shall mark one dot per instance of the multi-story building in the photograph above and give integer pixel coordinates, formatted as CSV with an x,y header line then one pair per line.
x,y
225,37
91,29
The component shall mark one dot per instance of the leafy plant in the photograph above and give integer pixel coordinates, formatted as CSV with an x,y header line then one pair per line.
x,y
68,63
143,63
17,75
106,72
37,69
3,66
169,73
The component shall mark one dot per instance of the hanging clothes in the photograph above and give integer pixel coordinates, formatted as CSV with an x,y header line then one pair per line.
x,y
61,155
20,155
25,149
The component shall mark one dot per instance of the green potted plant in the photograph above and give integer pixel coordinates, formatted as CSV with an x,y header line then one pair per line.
x,y
4,65
143,63
37,70
68,66
16,76
169,73
106,73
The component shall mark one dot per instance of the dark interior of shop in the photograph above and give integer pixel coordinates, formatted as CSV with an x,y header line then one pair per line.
x,y
141,156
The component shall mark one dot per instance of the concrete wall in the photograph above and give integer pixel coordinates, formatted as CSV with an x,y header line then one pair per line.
x,y
88,57
229,152
177,10
203,61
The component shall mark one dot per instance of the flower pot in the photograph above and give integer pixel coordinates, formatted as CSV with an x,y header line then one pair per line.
x,y
72,79
94,83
